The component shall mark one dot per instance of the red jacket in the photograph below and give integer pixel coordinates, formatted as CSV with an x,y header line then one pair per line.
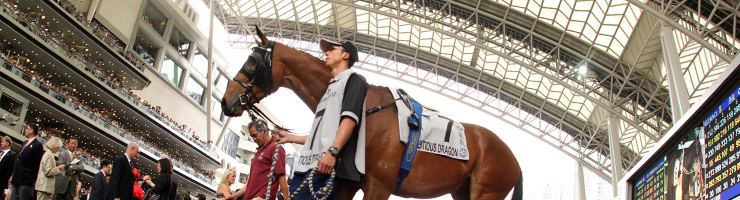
x,y
138,192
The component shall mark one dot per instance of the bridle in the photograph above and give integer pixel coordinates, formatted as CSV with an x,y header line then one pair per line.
x,y
261,76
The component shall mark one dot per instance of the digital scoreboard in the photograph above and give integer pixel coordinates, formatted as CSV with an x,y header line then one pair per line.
x,y
652,185
723,149
701,159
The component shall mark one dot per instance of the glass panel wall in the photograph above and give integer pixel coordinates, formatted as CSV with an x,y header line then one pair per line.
x,y
180,42
154,18
171,71
200,62
221,82
216,111
146,48
195,90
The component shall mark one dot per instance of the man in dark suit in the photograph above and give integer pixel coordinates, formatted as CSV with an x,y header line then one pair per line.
x,y
66,184
7,160
27,164
121,185
99,185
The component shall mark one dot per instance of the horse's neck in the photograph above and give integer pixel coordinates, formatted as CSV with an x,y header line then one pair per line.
x,y
307,76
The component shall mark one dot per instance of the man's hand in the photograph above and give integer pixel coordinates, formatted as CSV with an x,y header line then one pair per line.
x,y
326,164
76,198
116,198
283,137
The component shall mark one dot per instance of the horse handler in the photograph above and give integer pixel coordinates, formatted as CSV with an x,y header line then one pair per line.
x,y
264,164
328,155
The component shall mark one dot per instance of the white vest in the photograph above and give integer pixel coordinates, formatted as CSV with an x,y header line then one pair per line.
x,y
325,123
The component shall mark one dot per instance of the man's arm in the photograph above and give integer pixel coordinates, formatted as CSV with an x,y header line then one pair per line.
x,y
97,186
64,158
115,177
284,186
77,168
327,162
285,138
240,192
280,172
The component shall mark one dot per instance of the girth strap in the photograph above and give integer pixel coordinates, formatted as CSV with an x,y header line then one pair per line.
x,y
413,143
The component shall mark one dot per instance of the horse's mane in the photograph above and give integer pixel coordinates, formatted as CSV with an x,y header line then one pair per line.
x,y
317,58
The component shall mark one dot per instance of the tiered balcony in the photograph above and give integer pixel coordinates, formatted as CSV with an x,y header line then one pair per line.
x,y
119,98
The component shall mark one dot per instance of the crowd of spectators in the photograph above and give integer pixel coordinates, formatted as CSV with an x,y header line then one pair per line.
x,y
101,32
55,37
53,89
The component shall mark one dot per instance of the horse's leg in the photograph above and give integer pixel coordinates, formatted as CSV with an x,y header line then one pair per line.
x,y
462,193
483,191
375,189
349,189
497,170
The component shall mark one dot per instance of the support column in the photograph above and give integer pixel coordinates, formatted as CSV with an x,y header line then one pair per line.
x,y
209,87
581,183
676,83
92,9
615,153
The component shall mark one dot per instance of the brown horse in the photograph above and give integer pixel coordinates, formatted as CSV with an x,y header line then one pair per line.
x,y
490,173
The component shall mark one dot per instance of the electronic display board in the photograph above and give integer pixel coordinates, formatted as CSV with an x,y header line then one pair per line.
x,y
701,160
677,175
723,149
652,185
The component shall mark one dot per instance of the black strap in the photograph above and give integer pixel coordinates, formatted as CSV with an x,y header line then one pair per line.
x,y
378,108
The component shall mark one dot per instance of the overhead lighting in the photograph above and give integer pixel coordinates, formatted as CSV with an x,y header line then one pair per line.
x,y
582,70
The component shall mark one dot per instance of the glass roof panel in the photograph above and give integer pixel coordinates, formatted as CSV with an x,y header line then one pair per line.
x,y
305,13
574,14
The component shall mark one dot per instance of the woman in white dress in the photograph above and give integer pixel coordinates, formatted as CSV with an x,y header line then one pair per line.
x,y
47,170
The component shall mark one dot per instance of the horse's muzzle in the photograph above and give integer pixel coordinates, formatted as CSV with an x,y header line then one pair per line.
x,y
231,108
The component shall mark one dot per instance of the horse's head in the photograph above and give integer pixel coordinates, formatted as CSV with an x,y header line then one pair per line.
x,y
254,80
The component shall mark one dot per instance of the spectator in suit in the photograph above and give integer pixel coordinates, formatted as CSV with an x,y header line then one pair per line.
x,y
48,170
7,160
162,184
26,166
121,184
66,184
99,184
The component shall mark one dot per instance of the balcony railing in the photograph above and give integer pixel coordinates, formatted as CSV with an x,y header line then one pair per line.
x,y
101,32
55,93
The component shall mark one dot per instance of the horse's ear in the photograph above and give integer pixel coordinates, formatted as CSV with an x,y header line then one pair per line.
x,y
261,36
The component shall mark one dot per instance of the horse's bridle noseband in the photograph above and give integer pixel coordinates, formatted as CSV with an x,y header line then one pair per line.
x,y
262,54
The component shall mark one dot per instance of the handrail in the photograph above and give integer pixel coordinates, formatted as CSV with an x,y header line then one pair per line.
x,y
63,97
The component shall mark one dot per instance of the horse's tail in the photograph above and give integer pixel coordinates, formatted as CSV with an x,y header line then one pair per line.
x,y
517,195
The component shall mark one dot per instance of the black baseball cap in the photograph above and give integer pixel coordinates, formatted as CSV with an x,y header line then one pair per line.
x,y
327,45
